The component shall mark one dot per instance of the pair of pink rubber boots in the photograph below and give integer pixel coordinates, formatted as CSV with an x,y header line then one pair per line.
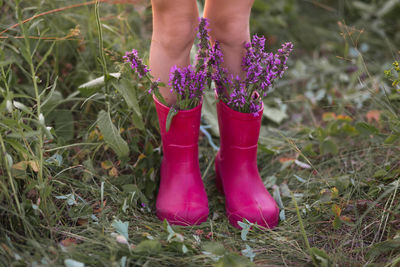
x,y
182,199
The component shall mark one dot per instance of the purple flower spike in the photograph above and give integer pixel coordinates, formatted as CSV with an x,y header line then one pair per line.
x,y
136,63
204,41
261,69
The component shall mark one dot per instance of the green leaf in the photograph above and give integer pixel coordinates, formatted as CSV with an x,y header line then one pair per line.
x,y
327,146
209,112
6,62
274,114
383,248
215,248
128,92
248,252
245,230
391,139
171,114
380,173
320,258
64,124
148,246
234,260
159,96
337,223
45,56
366,129
73,263
98,81
121,228
111,135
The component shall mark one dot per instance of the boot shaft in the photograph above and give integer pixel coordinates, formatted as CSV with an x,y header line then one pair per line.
x,y
184,128
238,131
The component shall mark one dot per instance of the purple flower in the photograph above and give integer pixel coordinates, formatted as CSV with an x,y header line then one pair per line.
x,y
136,63
215,57
154,86
204,41
187,82
239,94
261,69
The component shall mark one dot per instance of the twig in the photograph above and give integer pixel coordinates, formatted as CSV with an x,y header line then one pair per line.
x,y
66,8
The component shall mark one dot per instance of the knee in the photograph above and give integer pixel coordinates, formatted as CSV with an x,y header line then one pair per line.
x,y
231,31
174,28
231,25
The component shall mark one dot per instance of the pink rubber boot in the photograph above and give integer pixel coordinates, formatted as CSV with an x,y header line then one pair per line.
x,y
236,169
181,199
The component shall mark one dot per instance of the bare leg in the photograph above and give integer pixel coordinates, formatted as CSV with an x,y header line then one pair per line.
x,y
229,25
174,30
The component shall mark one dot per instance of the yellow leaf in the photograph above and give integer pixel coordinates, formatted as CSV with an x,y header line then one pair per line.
x,y
22,165
93,134
336,209
328,116
344,118
106,164
346,218
34,165
373,115
335,192
113,172
283,159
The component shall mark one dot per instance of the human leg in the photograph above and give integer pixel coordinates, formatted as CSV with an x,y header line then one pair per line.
x,y
229,25
181,196
236,169
174,30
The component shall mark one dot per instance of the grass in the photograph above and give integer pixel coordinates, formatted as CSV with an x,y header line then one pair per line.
x,y
84,191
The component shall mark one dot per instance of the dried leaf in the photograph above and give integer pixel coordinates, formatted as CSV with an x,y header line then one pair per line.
x,y
106,164
68,242
328,116
373,115
22,165
34,165
113,172
282,160
82,221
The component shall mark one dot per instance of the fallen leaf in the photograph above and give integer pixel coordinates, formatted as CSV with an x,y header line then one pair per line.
x,y
106,164
346,219
282,160
328,116
121,239
113,172
73,263
22,165
68,242
82,221
34,165
302,164
199,232
344,118
97,207
336,209
373,115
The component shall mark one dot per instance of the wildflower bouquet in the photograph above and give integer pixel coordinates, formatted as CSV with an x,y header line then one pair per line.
x,y
188,83
261,70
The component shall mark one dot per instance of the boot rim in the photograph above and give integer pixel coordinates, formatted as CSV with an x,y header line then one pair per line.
x,y
185,113
240,115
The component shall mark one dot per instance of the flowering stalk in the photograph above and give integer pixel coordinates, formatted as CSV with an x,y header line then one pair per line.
x,y
261,69
142,71
188,83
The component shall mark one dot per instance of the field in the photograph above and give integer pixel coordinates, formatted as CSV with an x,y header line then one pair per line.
x,y
80,144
